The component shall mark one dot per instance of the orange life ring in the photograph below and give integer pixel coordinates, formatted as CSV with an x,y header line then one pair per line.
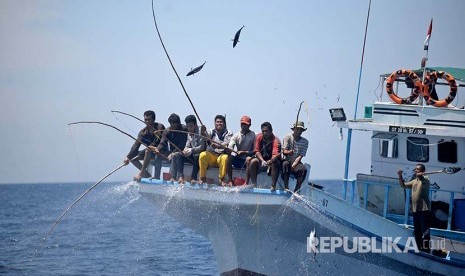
x,y
432,77
404,73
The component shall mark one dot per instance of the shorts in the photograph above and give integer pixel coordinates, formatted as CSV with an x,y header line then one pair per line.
x,y
237,162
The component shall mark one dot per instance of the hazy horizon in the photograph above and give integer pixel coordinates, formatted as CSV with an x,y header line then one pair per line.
x,y
67,61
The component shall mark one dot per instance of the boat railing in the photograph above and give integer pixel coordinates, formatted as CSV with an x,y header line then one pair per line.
x,y
404,218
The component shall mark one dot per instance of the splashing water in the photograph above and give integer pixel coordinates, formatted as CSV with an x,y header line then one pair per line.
x,y
125,194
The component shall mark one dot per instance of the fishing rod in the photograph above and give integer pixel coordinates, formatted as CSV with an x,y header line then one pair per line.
x,y
158,136
172,66
125,133
77,200
205,137
448,170
298,112
297,119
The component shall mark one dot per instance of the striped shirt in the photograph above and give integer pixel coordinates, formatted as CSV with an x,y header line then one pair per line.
x,y
299,146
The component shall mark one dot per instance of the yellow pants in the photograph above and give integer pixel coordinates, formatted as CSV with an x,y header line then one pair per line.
x,y
208,159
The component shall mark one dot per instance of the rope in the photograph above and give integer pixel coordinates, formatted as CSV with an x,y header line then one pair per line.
x,y
432,144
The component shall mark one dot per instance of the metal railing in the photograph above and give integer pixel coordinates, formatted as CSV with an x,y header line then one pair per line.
x,y
387,187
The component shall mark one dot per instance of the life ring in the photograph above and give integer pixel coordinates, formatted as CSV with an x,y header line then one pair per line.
x,y
432,77
404,73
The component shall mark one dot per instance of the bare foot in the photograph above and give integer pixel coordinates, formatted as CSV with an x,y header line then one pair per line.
x,y
137,177
223,183
172,180
181,180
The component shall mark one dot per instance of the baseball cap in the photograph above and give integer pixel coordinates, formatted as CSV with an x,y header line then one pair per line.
x,y
246,120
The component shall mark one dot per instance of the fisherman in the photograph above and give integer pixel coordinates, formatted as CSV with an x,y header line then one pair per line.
x,y
174,141
420,186
294,149
244,143
216,154
147,136
194,145
267,151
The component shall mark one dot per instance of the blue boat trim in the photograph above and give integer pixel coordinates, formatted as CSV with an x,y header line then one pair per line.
x,y
222,188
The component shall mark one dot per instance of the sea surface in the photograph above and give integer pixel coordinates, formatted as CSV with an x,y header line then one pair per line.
x,y
111,231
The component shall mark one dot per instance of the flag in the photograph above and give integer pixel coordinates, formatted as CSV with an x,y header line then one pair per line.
x,y
428,35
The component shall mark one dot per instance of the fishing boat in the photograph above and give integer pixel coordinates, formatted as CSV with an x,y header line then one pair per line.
x,y
254,231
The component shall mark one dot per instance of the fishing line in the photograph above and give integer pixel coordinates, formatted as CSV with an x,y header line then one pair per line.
x,y
172,66
121,122
75,153
158,136
198,135
374,91
76,201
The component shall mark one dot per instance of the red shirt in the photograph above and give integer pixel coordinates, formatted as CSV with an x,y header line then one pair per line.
x,y
269,149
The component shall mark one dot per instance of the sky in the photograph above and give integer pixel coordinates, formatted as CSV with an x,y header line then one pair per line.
x,y
66,61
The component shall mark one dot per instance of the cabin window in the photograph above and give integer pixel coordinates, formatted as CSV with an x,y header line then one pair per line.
x,y
387,144
447,151
417,149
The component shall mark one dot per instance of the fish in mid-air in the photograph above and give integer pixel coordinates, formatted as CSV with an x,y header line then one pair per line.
x,y
313,243
196,69
236,37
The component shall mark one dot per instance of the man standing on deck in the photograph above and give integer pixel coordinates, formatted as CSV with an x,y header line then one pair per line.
x,y
294,149
267,155
244,142
147,136
194,145
420,186
217,151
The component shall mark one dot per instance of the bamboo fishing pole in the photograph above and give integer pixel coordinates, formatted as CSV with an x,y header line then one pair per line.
x,y
448,170
130,115
125,133
172,66
298,113
202,136
77,200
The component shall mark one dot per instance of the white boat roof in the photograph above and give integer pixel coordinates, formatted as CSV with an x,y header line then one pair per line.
x,y
411,119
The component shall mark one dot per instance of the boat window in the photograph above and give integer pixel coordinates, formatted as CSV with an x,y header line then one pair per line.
x,y
447,151
388,148
417,149
387,144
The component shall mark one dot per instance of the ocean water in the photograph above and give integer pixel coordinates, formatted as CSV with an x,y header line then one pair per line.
x,y
111,231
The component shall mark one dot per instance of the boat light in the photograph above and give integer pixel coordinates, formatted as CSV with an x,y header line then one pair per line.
x,y
337,114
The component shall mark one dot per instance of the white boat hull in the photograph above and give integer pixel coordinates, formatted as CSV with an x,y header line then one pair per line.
x,y
254,232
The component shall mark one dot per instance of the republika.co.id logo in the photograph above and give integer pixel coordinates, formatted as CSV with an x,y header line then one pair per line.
x,y
361,244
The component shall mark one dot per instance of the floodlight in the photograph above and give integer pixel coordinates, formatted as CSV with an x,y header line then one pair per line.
x,y
337,114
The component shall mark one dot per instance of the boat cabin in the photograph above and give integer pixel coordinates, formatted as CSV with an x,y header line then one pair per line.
x,y
403,135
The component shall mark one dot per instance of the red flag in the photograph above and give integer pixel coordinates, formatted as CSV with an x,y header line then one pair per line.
x,y
428,35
